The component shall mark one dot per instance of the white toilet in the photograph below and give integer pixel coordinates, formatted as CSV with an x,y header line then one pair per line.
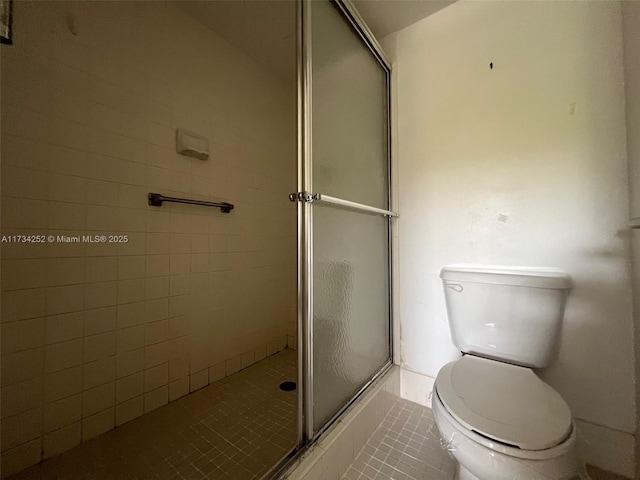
x,y
498,419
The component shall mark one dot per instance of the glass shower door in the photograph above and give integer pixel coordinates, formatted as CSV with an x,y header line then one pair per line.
x,y
345,203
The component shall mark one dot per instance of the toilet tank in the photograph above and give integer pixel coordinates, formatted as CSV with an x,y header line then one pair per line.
x,y
511,314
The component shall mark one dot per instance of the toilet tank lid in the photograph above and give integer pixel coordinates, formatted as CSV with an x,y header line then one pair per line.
x,y
539,277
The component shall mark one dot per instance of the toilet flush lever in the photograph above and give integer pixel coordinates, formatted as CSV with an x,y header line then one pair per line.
x,y
455,287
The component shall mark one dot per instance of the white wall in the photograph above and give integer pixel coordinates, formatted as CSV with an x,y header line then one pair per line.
x,y
522,164
631,39
94,335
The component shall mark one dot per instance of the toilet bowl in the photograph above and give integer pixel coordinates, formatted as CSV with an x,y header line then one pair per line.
x,y
490,461
495,416
519,429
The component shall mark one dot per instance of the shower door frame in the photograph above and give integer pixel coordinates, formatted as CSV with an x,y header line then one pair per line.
x,y
306,433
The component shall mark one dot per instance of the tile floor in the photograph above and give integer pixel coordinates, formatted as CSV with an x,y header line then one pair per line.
x,y
406,446
235,429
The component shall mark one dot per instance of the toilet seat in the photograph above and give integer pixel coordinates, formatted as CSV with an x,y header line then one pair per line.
x,y
503,402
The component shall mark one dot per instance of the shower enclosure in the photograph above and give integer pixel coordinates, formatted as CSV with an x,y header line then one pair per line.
x,y
145,333
343,212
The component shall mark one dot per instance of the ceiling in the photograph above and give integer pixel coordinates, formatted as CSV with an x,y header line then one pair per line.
x,y
265,29
387,16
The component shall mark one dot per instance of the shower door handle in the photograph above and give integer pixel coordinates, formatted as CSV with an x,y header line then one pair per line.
x,y
320,197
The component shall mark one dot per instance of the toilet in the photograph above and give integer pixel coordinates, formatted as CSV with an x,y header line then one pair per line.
x,y
495,416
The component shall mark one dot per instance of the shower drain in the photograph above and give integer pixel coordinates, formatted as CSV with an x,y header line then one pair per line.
x,y
288,386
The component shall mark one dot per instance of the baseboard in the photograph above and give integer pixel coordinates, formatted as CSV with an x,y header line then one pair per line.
x,y
603,447
416,387
608,449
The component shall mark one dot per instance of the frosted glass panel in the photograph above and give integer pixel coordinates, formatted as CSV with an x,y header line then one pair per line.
x,y
349,112
351,305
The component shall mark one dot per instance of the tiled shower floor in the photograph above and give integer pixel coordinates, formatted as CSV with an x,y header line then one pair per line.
x,y
235,429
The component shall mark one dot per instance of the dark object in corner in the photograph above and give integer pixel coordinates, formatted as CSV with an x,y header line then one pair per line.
x,y
6,20
288,386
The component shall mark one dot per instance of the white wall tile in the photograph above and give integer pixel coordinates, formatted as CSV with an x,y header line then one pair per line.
x,y
21,428
233,365
68,161
156,287
129,291
129,387
157,221
136,244
178,388
179,284
217,372
61,356
24,183
157,265
65,133
100,269
22,335
129,410
179,264
103,148
156,398
65,271
130,338
132,220
99,372
62,384
156,310
64,299
100,294
131,314
99,346
23,152
22,366
99,320
158,243
128,363
23,304
130,267
66,216
97,399
132,150
62,412
66,188
156,354
102,220
16,459
156,377
99,423
248,358
178,367
199,380
61,440
24,213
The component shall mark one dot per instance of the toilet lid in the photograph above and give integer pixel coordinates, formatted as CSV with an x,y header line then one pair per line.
x,y
504,402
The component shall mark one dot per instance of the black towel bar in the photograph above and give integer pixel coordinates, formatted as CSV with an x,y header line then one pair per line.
x,y
156,199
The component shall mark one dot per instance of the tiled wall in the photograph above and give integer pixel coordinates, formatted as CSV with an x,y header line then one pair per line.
x,y
95,334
